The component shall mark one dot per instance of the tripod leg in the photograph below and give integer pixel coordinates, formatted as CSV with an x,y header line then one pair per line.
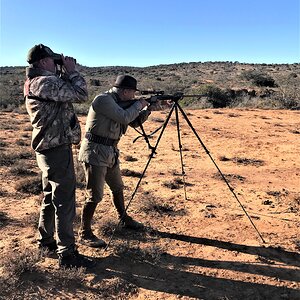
x,y
143,174
153,152
180,150
222,175
145,135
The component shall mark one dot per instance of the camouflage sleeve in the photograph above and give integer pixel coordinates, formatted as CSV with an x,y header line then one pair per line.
x,y
73,89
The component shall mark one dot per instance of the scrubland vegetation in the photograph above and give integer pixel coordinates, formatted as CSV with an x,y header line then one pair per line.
x,y
223,84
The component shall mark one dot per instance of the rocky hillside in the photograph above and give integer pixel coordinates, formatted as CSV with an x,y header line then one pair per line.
x,y
230,84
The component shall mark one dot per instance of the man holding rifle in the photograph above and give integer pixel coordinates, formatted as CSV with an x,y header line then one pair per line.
x,y
107,121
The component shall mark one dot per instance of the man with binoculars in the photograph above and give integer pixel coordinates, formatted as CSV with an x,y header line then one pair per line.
x,y
49,98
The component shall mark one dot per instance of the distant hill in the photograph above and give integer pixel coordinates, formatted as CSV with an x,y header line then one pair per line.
x,y
231,84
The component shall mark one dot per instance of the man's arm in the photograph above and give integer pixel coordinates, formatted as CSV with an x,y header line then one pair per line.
x,y
142,117
106,105
70,87
54,88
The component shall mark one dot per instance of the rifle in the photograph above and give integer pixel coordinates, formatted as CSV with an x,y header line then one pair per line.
x,y
159,96
156,97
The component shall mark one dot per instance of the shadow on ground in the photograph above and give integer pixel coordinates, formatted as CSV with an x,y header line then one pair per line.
x,y
170,274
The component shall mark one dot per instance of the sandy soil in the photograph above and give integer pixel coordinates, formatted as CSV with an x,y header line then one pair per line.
x,y
199,243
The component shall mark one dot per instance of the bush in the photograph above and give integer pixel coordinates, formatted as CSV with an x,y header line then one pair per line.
x,y
217,97
21,169
29,186
131,173
258,78
15,264
289,90
95,82
8,159
4,219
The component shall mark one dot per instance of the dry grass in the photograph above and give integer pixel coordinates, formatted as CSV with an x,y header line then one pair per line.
x,y
130,158
22,274
230,177
154,206
4,219
244,161
22,169
15,265
10,158
130,173
29,186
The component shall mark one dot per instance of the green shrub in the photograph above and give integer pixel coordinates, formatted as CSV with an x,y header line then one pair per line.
x,y
289,90
217,97
259,78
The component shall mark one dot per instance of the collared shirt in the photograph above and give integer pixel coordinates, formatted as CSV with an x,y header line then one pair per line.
x,y
107,119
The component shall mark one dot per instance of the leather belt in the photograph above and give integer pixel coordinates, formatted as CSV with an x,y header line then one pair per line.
x,y
101,140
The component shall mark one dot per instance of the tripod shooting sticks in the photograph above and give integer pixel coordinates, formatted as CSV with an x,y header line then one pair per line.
x,y
176,106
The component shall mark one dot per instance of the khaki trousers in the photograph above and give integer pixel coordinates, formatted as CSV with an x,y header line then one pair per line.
x,y
96,176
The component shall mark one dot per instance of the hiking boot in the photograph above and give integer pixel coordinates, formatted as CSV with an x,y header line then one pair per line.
x,y
129,223
91,240
126,221
75,260
48,250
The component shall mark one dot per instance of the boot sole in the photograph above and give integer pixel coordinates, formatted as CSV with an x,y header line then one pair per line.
x,y
102,245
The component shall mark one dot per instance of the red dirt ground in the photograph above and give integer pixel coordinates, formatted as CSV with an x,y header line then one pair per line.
x,y
202,246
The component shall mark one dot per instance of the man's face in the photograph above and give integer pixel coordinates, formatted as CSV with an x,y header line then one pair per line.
x,y
48,64
128,94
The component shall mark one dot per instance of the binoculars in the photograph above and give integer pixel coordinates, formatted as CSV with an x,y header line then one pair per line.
x,y
58,59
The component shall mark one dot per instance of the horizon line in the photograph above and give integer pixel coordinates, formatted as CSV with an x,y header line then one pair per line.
x,y
167,64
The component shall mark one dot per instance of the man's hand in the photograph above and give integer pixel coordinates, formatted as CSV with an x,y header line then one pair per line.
x,y
144,102
69,64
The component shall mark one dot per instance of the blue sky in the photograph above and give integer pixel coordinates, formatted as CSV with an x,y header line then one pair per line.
x,y
144,33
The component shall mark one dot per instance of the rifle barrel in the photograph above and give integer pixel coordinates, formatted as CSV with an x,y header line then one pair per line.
x,y
195,95
174,97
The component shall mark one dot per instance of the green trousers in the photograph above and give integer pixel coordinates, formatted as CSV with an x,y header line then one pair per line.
x,y
58,205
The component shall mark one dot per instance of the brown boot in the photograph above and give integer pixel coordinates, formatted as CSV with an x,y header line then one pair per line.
x,y
86,236
126,221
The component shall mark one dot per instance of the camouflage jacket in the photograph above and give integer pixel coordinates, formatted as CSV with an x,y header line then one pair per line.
x,y
49,104
107,119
